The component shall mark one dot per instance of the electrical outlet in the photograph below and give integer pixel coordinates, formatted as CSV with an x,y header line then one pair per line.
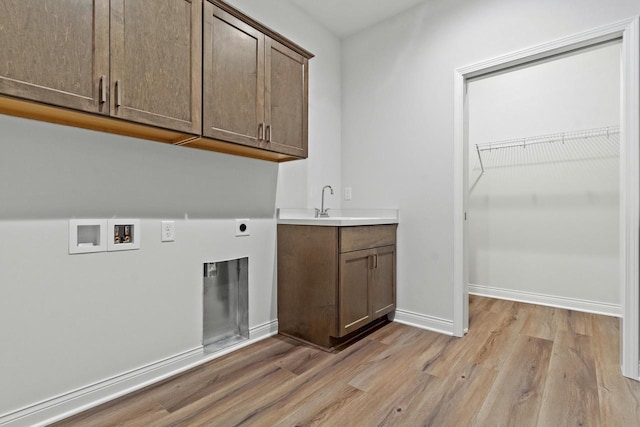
x,y
168,231
347,193
242,227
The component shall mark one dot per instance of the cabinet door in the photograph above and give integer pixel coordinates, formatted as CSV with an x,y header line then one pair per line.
x,y
286,99
156,62
355,297
56,52
384,281
233,79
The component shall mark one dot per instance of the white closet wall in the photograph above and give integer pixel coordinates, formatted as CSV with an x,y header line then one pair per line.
x,y
544,219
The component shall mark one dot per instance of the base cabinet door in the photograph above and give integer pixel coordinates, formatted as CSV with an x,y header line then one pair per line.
x,y
56,52
156,62
383,292
354,290
367,288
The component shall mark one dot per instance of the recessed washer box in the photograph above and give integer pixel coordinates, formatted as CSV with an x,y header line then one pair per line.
x,y
87,236
123,234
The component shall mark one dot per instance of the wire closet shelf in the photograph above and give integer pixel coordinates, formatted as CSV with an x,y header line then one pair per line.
x,y
545,139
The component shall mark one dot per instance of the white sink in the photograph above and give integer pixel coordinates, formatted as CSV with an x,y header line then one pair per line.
x,y
338,218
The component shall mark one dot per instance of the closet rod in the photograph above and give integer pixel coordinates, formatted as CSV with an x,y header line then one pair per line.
x,y
545,139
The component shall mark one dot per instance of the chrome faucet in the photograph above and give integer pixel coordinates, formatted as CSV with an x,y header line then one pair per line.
x,y
322,212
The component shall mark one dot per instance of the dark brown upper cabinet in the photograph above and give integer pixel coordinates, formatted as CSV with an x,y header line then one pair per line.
x,y
156,62
56,52
233,84
135,68
255,87
135,60
286,99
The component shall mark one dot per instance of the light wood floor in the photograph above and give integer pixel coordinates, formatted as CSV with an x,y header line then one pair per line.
x,y
520,365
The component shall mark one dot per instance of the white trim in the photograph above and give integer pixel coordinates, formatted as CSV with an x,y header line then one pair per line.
x,y
83,398
630,197
422,321
460,295
263,331
575,304
629,31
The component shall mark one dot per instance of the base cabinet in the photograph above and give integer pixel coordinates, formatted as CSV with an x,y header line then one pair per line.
x,y
333,281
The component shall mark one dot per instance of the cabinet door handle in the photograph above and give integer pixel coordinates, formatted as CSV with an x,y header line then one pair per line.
x,y
118,93
260,131
268,132
372,262
103,89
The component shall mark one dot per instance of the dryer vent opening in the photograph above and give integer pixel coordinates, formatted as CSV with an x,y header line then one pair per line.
x,y
225,303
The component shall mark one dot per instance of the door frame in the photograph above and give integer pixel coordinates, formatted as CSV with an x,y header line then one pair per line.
x,y
629,32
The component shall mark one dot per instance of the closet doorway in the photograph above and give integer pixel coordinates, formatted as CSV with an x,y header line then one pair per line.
x,y
567,226
544,191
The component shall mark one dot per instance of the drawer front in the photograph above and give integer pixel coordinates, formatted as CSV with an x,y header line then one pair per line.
x,y
366,237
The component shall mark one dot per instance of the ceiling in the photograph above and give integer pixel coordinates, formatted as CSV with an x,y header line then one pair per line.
x,y
347,17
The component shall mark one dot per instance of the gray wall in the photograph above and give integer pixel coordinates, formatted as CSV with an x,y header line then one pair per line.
x,y
397,134
300,183
69,321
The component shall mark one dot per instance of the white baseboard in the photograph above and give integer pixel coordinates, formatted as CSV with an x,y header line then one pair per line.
x,y
76,401
423,321
263,331
575,304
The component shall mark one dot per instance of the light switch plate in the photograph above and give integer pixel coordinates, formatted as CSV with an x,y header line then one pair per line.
x,y
168,231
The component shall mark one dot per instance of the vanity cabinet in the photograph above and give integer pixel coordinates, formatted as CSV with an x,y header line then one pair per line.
x,y
334,281
263,82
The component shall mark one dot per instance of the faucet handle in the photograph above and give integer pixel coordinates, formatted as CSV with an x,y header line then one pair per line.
x,y
317,212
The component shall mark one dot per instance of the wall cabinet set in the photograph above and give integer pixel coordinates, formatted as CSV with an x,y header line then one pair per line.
x,y
156,69
333,281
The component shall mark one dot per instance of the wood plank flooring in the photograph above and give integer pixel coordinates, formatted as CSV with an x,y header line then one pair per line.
x,y
519,365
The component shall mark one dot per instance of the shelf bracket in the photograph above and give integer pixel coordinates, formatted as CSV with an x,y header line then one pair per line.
x,y
480,158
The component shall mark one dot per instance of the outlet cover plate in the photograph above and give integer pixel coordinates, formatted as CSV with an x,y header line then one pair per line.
x,y
242,227
348,193
168,231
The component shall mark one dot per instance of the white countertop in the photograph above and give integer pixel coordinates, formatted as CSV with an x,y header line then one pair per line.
x,y
339,218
